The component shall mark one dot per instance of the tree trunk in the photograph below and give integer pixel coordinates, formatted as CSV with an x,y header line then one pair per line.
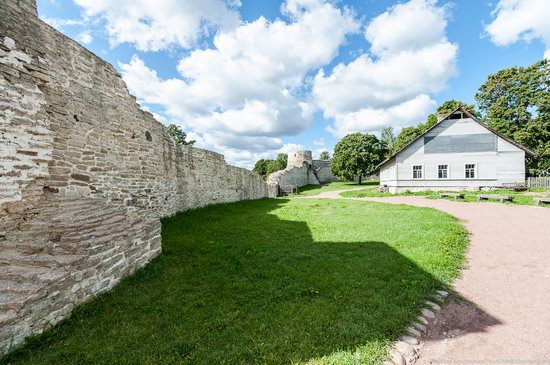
x,y
359,179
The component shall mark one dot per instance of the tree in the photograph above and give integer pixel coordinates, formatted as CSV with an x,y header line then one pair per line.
x,y
406,136
388,139
357,155
274,166
179,135
282,159
452,104
264,168
261,167
516,103
324,155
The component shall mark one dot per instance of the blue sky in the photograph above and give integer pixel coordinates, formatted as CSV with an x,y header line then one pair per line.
x,y
253,78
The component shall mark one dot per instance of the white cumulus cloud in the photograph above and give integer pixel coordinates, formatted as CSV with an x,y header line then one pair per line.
x,y
160,24
410,58
85,37
374,119
520,20
247,92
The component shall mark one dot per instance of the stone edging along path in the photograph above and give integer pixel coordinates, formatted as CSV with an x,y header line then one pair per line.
x,y
503,306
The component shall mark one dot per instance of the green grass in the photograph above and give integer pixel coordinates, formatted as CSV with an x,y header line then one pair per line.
x,y
273,281
340,185
373,192
520,198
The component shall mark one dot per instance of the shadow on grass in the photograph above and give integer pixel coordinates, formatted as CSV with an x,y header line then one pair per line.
x,y
315,189
235,284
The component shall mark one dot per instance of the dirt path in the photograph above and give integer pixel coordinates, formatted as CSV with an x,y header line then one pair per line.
x,y
507,282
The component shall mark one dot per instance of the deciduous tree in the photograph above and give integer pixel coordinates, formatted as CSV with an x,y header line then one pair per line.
x,y
179,135
266,167
324,155
388,139
261,167
516,102
357,155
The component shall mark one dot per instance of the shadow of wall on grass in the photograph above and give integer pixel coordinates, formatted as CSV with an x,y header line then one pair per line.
x,y
236,284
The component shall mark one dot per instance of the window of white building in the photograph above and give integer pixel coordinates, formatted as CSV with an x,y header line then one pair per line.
x,y
417,172
470,171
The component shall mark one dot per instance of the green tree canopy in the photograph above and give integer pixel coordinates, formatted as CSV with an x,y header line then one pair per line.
x,y
452,104
406,136
282,159
324,155
388,139
266,167
516,102
261,167
273,166
357,155
179,135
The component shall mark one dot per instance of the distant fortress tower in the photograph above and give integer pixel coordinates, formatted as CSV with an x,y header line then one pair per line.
x,y
300,170
297,159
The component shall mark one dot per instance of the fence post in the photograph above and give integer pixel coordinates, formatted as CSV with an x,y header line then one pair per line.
x,y
538,182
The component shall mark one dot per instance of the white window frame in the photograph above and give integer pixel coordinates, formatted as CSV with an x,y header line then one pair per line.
x,y
448,171
421,172
475,171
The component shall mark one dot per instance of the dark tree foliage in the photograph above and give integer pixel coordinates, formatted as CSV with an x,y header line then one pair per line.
x,y
273,166
357,155
451,105
179,135
282,158
324,155
261,167
264,168
406,136
516,102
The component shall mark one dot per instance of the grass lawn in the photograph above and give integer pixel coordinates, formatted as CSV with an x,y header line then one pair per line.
x,y
520,198
273,281
340,185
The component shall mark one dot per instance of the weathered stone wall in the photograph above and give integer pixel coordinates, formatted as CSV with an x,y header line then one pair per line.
x,y
301,170
85,175
323,171
293,176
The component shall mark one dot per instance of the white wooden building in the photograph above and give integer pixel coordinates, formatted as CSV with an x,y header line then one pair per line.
x,y
458,153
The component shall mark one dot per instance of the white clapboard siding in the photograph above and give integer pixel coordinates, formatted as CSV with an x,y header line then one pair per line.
x,y
455,143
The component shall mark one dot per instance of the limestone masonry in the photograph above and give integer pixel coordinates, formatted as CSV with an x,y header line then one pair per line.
x,y
85,175
301,170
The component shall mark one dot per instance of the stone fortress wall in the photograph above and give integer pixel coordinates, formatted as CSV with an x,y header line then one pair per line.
x,y
323,171
301,170
85,175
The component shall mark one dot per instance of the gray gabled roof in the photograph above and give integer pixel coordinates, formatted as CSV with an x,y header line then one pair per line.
x,y
471,116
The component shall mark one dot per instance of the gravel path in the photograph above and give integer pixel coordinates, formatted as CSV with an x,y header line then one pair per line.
x,y
506,316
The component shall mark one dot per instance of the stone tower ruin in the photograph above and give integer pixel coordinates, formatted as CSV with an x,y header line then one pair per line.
x,y
297,159
301,170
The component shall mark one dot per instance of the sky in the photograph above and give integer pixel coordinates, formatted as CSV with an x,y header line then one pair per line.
x,y
254,78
